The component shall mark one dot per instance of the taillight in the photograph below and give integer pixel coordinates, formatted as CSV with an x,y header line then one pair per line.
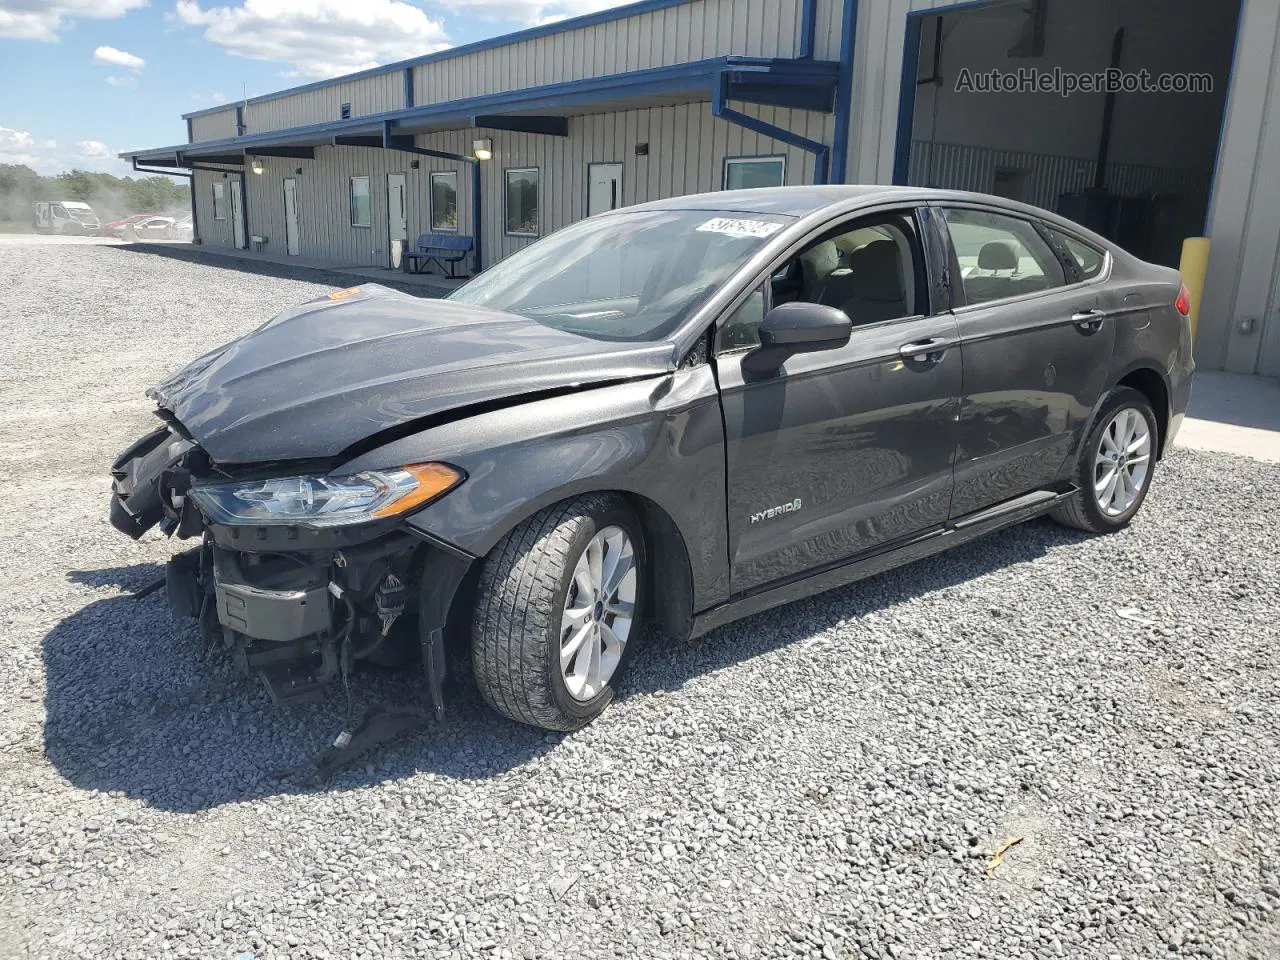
x,y
1183,303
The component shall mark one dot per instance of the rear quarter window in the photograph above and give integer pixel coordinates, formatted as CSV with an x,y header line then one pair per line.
x,y
1088,258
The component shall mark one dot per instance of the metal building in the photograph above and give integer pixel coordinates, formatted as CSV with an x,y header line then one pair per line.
x,y
509,139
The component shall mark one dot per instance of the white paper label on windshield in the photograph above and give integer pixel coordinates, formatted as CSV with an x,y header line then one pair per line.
x,y
740,228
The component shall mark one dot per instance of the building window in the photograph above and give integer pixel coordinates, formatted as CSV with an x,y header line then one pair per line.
x,y
219,201
444,201
522,202
360,214
345,111
743,172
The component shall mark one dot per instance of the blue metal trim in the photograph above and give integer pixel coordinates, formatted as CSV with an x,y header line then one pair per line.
x,y
693,78
408,87
509,39
808,24
844,93
819,150
907,96
190,132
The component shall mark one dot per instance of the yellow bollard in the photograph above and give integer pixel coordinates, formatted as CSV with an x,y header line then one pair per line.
x,y
1193,266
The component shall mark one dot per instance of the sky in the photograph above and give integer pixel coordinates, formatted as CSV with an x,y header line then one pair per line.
x,y
84,79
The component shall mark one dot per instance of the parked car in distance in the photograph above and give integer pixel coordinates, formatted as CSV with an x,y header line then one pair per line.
x,y
182,229
152,228
67,217
674,414
116,227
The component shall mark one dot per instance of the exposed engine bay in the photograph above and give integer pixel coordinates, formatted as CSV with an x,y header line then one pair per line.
x,y
293,605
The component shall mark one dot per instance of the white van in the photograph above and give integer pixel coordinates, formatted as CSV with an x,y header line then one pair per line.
x,y
65,216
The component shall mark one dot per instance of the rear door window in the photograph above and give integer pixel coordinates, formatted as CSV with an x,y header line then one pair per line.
x,y
1001,256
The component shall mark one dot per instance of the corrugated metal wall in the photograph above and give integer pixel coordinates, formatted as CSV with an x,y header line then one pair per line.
x,y
375,94
687,147
214,126
1244,218
691,31
679,34
956,166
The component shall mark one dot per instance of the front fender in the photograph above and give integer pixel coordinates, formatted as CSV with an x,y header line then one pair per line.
x,y
659,439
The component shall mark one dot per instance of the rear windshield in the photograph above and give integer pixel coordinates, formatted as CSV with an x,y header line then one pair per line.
x,y
628,276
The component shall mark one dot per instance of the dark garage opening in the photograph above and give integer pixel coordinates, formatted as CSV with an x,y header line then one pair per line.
x,y
1136,166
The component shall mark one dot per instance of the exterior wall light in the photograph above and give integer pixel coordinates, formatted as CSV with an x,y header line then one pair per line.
x,y
483,149
256,166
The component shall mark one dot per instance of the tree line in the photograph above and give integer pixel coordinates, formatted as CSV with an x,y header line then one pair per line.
x,y
110,196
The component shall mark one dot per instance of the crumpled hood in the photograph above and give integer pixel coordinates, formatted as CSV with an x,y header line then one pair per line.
x,y
320,378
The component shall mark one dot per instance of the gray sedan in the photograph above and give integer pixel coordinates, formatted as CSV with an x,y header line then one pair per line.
x,y
675,414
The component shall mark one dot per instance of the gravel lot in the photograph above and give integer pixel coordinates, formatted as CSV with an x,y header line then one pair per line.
x,y
827,780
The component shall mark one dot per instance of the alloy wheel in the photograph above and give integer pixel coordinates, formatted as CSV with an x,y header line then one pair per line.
x,y
599,610
1122,462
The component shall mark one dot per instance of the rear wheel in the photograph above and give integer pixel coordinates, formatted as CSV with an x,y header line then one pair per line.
x,y
1116,465
558,611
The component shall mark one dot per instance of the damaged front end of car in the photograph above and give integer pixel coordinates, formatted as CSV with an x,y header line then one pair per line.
x,y
298,572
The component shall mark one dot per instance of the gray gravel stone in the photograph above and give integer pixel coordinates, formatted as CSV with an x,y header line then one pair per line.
x,y
828,779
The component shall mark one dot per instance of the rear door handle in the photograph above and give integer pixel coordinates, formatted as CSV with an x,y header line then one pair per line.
x,y
925,351
1089,321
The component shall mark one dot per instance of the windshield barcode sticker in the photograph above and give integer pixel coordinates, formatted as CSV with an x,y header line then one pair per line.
x,y
740,228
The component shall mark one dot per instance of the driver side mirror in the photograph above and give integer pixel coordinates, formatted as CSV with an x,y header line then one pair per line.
x,y
800,327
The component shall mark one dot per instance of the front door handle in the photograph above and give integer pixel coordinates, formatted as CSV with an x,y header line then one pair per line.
x,y
925,351
1090,321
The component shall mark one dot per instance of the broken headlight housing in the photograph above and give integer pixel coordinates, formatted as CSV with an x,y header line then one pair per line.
x,y
326,501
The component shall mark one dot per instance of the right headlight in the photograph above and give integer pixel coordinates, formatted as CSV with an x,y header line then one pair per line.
x,y
326,501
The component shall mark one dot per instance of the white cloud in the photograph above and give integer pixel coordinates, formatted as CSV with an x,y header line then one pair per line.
x,y
12,140
530,11
45,156
317,38
44,20
118,58
122,81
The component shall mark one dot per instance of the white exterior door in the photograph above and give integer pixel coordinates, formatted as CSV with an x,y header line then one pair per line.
x,y
397,215
292,243
237,214
604,190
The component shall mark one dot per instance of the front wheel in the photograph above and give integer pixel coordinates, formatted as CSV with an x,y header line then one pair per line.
x,y
558,612
1116,465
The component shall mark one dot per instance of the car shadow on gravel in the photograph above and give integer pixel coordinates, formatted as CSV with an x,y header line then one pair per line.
x,y
136,705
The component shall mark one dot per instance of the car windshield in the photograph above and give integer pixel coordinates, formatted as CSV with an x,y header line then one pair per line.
x,y
629,276
80,214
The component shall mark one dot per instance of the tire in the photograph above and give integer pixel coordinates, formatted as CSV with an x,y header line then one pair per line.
x,y
520,616
1084,509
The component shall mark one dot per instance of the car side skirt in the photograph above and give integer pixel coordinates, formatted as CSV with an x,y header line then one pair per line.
x,y
962,530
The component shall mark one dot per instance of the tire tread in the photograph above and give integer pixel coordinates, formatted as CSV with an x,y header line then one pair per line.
x,y
511,626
